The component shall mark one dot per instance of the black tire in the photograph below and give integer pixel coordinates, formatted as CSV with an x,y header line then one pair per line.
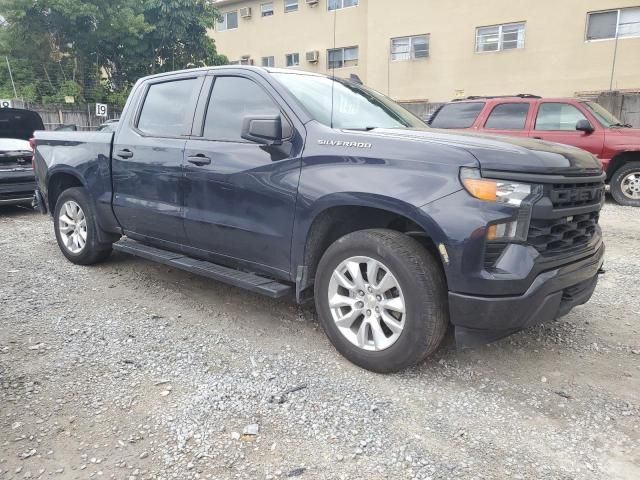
x,y
421,281
616,184
93,251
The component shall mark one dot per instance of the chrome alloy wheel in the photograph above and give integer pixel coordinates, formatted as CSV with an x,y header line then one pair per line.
x,y
630,186
367,303
72,225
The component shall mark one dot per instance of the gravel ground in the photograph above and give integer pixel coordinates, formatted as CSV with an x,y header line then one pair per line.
x,y
131,370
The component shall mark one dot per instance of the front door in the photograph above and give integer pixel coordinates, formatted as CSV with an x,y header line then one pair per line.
x,y
240,196
147,160
556,122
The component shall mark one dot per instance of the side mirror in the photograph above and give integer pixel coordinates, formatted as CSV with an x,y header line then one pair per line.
x,y
584,126
263,129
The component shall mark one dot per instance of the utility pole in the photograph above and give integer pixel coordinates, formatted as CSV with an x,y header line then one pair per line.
x,y
15,93
615,51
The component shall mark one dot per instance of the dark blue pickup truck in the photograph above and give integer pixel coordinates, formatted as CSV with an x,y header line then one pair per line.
x,y
295,184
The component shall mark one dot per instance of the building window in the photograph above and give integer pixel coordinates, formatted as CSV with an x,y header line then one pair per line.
x,y
338,4
268,61
290,6
266,9
342,57
292,59
228,21
621,23
500,37
409,48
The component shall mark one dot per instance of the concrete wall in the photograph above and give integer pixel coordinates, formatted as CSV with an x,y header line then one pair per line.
x,y
555,61
625,106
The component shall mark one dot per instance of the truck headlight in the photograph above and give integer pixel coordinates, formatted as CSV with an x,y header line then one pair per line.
x,y
499,191
518,195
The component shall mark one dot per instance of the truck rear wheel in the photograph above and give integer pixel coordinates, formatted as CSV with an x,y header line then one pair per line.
x,y
625,184
381,299
75,227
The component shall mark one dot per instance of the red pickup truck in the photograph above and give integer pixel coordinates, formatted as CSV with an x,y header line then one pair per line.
x,y
580,123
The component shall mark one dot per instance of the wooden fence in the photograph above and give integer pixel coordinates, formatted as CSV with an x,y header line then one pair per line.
x,y
83,116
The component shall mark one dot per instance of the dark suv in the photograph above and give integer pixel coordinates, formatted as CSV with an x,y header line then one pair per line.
x,y
580,123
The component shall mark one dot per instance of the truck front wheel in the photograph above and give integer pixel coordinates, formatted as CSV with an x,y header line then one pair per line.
x,y
75,227
381,299
625,184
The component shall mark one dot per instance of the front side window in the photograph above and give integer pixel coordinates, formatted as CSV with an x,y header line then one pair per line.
x,y
500,37
167,110
342,57
290,6
292,59
508,116
558,117
457,115
338,4
233,99
342,104
268,61
266,9
621,23
227,21
410,48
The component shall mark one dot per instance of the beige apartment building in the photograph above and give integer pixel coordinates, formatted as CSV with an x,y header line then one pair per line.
x,y
435,50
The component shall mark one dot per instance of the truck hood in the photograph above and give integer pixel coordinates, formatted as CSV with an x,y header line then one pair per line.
x,y
502,153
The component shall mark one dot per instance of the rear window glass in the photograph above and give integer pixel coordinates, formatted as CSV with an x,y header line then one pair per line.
x,y
508,116
457,115
167,108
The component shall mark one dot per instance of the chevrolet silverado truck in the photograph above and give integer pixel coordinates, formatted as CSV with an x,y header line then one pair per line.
x,y
571,121
17,181
295,184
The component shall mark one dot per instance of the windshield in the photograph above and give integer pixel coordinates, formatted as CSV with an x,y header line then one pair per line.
x,y
603,115
354,106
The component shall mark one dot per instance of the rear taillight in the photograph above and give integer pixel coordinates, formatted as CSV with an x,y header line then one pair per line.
x,y
32,143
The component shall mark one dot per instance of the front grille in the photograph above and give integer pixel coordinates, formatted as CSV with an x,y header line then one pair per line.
x,y
560,235
568,195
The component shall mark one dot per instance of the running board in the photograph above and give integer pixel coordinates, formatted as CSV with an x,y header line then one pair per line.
x,y
248,281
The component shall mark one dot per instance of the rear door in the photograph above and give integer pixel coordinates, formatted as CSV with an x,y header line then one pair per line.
x,y
556,122
509,118
147,155
240,196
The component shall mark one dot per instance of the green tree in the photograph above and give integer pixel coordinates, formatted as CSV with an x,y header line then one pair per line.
x,y
101,46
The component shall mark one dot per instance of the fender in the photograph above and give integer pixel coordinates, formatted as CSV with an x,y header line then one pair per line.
x,y
394,206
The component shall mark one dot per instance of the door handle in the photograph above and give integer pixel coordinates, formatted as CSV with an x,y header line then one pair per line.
x,y
199,160
125,153
538,138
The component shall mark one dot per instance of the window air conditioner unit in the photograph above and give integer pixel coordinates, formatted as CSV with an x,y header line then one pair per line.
x,y
245,12
312,57
312,3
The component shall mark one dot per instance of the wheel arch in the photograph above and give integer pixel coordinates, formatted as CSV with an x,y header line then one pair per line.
x,y
621,159
58,182
335,217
